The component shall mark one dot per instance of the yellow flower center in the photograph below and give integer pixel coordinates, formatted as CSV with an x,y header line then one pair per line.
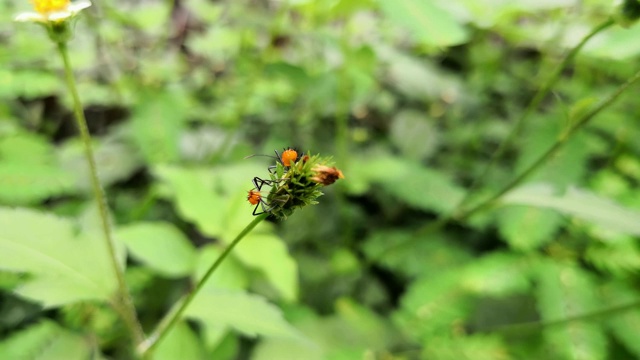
x,y
48,6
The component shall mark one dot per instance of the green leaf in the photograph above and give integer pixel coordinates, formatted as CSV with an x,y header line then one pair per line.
x,y
477,347
497,274
566,291
579,203
414,134
159,245
250,314
115,161
615,43
618,257
27,83
157,123
412,254
427,22
269,254
194,196
31,183
45,341
432,305
625,325
181,343
230,275
419,187
527,228
64,267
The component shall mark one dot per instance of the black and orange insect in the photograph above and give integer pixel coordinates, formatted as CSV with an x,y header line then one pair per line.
x,y
288,157
254,197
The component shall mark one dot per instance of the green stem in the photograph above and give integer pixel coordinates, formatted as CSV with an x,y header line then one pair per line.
x,y
123,304
533,105
172,318
528,327
562,139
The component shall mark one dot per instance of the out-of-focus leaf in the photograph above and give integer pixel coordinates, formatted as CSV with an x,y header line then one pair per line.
x,y
65,267
581,204
195,196
427,22
229,275
526,228
615,43
418,186
477,347
269,254
45,341
432,305
181,343
414,134
497,274
27,83
412,254
115,161
29,183
625,324
566,291
157,122
159,245
250,314
618,257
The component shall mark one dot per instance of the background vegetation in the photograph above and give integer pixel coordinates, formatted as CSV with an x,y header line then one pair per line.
x,y
411,98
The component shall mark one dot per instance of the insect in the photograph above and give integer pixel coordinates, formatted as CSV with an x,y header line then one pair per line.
x,y
289,157
255,198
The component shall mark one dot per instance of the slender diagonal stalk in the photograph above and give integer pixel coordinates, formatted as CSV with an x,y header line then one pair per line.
x,y
146,347
123,303
562,139
524,328
533,105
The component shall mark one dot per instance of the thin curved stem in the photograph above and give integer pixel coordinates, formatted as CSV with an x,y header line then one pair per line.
x,y
146,347
562,139
533,105
539,325
123,303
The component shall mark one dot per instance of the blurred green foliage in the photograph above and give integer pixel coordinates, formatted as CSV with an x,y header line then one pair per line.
x,y
410,97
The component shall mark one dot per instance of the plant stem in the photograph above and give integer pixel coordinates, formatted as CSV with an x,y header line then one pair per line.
x,y
172,318
123,303
528,327
562,139
533,105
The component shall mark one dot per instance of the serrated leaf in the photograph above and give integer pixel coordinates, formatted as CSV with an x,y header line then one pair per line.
x,y
477,347
250,314
115,161
64,267
428,23
44,341
195,197
432,305
414,134
269,254
566,291
625,325
159,245
579,203
419,187
27,83
181,343
497,274
30,183
230,275
156,124
526,228
412,254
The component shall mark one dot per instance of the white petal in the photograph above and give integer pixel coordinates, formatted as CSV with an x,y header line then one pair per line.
x,y
59,15
77,6
30,16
